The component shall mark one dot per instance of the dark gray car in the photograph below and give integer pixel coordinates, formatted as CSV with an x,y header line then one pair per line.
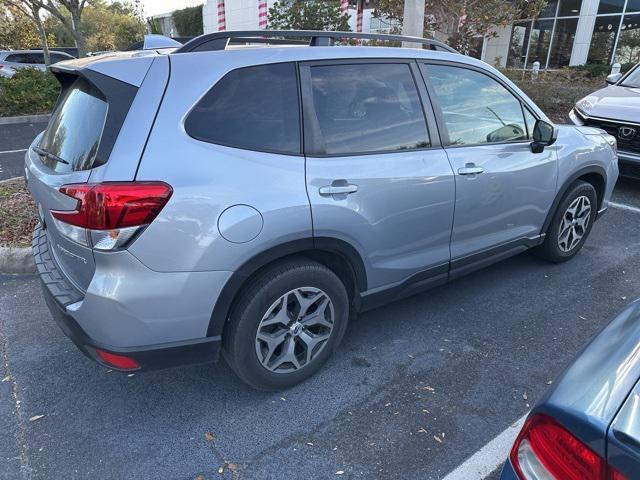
x,y
587,427
12,60
615,109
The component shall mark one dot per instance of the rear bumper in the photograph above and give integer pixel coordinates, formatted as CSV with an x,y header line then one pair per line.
x,y
63,300
151,357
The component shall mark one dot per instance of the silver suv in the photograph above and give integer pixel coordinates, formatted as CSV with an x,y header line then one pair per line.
x,y
615,109
239,197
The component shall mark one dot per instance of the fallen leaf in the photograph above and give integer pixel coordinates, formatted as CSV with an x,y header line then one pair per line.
x,y
221,470
232,467
524,396
387,404
549,382
35,418
437,439
6,379
310,444
422,430
200,477
340,472
210,437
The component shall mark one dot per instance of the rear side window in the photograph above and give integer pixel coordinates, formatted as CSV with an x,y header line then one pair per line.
x,y
75,128
16,58
254,108
367,108
476,108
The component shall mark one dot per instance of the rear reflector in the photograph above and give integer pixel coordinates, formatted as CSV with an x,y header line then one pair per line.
x,y
545,450
108,215
107,206
118,361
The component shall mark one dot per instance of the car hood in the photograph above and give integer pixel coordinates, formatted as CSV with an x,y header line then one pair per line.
x,y
590,392
614,102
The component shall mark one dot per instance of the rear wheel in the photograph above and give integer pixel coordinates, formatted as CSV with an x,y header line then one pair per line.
x,y
287,323
571,224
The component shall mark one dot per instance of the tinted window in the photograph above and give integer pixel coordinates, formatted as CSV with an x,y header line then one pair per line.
x,y
75,127
56,57
255,108
16,58
368,108
476,108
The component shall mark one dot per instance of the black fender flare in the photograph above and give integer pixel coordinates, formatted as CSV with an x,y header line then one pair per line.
x,y
225,300
597,169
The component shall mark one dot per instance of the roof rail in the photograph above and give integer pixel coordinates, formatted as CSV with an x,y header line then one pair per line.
x,y
220,40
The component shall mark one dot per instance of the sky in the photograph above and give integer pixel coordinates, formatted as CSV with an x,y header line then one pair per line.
x,y
153,7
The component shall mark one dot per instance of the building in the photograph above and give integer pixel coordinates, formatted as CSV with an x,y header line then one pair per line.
x,y
567,32
164,23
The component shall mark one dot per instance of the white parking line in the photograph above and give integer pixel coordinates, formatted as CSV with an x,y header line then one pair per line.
x,y
622,206
14,151
489,457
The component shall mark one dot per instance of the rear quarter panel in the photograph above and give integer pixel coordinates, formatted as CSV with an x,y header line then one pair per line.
x,y
207,179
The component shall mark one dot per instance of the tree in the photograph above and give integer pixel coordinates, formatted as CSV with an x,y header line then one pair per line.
x,y
307,15
18,28
188,21
105,26
69,14
461,20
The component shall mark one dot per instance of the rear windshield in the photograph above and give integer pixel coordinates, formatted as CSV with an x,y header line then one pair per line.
x,y
75,128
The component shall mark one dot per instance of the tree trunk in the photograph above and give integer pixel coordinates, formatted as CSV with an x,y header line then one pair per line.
x,y
77,34
43,37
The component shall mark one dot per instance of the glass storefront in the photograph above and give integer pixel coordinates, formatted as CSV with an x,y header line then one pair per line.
x,y
547,39
616,37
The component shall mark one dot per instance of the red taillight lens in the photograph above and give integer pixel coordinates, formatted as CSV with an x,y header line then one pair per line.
x,y
545,449
118,361
108,206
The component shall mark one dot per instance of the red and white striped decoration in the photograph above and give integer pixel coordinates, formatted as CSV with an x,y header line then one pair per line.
x,y
222,19
359,12
262,14
344,7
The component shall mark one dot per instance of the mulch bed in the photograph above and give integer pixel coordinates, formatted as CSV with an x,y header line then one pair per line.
x,y
18,215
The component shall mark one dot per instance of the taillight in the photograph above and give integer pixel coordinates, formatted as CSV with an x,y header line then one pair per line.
x,y
545,450
107,215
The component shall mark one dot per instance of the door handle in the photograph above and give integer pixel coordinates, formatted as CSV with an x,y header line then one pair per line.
x,y
341,189
470,169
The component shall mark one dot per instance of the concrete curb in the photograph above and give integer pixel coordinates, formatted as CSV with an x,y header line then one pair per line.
x,y
16,260
24,119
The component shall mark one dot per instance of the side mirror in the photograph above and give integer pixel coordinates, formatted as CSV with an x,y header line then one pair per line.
x,y
613,78
544,134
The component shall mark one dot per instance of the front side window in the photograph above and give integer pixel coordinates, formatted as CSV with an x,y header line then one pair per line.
x,y
253,108
476,108
366,108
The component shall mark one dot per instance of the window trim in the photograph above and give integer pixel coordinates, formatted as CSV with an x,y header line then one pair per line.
x,y
300,152
313,147
442,126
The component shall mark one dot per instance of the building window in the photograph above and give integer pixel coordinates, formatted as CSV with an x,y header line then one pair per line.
x,y
610,6
547,39
628,49
563,37
603,39
383,25
518,47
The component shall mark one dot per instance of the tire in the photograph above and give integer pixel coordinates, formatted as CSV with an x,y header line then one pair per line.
x,y
575,215
291,347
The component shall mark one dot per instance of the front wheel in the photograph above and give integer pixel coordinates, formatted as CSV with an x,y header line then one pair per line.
x,y
571,224
287,323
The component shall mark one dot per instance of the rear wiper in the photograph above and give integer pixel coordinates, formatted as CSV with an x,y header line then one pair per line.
x,y
49,155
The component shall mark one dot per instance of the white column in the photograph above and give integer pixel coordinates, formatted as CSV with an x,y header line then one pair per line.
x,y
413,21
586,22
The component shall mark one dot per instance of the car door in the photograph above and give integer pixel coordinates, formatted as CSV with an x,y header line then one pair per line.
x,y
376,174
503,190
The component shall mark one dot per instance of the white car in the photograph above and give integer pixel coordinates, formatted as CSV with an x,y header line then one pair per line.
x,y
615,109
12,60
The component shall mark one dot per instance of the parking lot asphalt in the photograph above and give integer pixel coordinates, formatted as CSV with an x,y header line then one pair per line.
x,y
14,139
415,388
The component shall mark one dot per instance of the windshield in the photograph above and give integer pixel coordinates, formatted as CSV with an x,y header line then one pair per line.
x,y
633,80
75,128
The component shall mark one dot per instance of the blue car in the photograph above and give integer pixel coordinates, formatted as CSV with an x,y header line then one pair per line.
x,y
587,426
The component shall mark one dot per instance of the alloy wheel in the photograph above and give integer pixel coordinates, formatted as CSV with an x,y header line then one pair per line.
x,y
574,223
294,330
